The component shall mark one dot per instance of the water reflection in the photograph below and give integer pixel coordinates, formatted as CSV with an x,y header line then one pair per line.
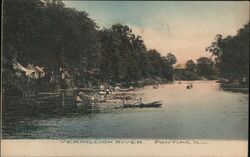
x,y
203,112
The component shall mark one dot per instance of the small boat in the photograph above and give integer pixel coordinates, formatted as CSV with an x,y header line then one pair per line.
x,y
141,105
125,89
190,86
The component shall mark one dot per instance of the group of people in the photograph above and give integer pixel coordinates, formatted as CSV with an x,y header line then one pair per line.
x,y
104,93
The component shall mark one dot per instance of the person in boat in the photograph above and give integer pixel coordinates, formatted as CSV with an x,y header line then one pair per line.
x,y
190,86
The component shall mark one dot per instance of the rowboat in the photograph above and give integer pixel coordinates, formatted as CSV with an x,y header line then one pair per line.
x,y
190,86
141,105
126,89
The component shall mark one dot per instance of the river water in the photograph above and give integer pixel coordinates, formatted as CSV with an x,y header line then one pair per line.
x,y
203,112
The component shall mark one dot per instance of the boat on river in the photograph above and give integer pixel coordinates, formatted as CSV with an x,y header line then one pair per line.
x,y
126,89
142,105
189,86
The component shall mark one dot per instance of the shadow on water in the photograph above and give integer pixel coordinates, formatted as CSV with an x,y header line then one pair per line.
x,y
19,113
236,90
204,112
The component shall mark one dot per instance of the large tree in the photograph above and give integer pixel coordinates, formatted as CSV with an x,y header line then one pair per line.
x,y
190,66
47,34
205,67
232,54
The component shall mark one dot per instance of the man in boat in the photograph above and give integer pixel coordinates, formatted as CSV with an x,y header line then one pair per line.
x,y
190,86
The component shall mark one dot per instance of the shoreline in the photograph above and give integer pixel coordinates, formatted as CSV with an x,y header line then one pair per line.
x,y
235,88
139,84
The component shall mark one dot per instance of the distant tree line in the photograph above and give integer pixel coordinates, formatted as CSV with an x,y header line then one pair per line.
x,y
204,68
47,34
229,61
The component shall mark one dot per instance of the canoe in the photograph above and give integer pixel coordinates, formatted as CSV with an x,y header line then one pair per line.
x,y
125,90
141,105
189,86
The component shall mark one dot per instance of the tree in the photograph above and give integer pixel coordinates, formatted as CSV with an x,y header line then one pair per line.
x,y
167,66
171,59
205,67
123,55
190,66
160,66
154,59
47,34
232,54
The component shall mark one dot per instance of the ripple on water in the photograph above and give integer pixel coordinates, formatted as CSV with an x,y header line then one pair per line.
x,y
204,112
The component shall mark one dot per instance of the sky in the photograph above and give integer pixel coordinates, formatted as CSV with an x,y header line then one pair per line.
x,y
180,27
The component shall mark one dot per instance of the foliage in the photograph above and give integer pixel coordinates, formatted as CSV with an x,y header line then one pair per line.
x,y
124,57
190,66
205,67
232,54
47,34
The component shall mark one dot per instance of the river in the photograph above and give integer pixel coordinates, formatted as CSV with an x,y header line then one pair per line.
x,y
203,112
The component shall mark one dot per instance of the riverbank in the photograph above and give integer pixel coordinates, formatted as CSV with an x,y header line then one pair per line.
x,y
88,89
235,88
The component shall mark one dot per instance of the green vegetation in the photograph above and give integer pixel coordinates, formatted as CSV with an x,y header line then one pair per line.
x,y
232,55
203,69
190,66
59,39
230,62
65,42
